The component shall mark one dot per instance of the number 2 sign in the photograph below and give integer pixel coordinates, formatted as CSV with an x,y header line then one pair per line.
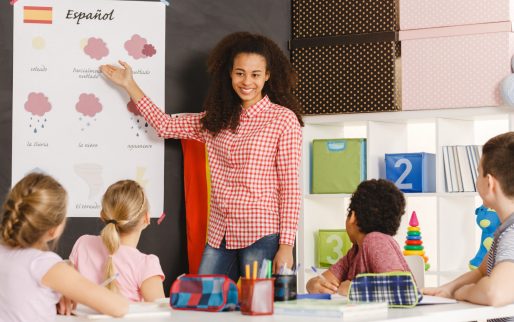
x,y
411,172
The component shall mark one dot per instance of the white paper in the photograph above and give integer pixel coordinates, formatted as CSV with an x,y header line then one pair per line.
x,y
139,309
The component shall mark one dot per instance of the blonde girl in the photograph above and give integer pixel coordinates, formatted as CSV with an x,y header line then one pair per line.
x,y
113,256
33,277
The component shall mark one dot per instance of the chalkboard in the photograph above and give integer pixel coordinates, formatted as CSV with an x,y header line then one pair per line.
x,y
193,27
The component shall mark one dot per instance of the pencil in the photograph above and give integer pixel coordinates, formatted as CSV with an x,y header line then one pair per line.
x,y
247,269
254,276
110,279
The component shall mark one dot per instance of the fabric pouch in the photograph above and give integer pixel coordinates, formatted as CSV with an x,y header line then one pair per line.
x,y
398,289
204,293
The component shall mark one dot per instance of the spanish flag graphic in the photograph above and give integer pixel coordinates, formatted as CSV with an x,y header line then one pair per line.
x,y
33,14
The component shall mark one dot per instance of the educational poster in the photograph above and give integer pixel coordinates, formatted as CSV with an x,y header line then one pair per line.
x,y
68,120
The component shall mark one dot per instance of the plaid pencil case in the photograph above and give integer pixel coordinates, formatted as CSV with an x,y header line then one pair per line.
x,y
398,289
204,293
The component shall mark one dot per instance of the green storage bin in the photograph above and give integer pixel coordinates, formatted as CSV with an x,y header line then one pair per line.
x,y
332,245
338,165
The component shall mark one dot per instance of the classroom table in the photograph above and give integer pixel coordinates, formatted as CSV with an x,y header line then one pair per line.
x,y
461,311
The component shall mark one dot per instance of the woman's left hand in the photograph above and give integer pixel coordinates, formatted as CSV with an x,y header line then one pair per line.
x,y
283,257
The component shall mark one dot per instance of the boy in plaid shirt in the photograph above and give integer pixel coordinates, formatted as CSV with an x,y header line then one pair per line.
x,y
374,216
492,283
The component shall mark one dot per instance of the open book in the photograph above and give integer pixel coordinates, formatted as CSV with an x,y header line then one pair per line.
x,y
141,309
330,308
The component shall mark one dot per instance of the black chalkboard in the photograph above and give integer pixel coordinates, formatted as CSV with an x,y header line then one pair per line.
x,y
193,27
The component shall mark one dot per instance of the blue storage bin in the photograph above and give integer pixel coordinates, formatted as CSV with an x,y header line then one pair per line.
x,y
411,172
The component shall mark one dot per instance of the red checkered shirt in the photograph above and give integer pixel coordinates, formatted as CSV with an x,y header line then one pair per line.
x,y
254,172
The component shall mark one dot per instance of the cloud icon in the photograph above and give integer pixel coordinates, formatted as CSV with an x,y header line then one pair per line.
x,y
138,47
149,50
131,107
135,45
139,125
88,105
37,104
96,48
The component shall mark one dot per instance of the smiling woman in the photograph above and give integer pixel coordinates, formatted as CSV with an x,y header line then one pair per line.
x,y
251,126
249,75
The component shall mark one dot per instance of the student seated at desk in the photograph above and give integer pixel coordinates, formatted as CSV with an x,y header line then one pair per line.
x,y
114,253
32,277
374,215
492,283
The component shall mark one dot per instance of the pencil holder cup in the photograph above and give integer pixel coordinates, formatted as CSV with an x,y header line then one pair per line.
x,y
257,296
285,287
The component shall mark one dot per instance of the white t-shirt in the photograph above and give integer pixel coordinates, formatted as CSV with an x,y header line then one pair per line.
x,y
22,295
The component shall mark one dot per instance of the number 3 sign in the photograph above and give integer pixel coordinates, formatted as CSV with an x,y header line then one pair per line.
x,y
411,172
332,245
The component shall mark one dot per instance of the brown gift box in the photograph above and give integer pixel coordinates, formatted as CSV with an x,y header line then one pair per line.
x,y
347,56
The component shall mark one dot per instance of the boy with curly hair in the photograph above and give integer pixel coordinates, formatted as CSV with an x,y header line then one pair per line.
x,y
492,283
374,216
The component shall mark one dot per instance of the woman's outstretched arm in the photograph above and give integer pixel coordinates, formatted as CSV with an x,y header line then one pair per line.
x,y
122,76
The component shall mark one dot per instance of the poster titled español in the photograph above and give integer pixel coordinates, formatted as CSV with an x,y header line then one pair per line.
x,y
68,120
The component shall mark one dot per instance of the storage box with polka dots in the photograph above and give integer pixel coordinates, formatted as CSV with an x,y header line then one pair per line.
x,y
422,14
346,54
455,67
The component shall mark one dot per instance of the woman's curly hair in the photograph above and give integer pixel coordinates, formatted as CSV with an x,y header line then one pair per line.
x,y
378,205
222,104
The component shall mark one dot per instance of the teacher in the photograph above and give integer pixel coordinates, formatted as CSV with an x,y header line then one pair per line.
x,y
251,126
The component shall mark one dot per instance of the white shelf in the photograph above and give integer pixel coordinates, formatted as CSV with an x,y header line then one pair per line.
x,y
470,114
447,221
313,196
327,196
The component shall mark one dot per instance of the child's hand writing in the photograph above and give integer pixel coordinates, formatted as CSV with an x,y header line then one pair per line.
x,y
437,291
344,287
65,306
322,285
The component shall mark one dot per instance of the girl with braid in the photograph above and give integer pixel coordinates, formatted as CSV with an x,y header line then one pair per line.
x,y
33,278
114,255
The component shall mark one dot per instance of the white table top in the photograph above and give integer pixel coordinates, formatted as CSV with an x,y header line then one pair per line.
x,y
461,311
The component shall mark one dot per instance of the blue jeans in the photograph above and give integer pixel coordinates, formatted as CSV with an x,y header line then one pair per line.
x,y
232,262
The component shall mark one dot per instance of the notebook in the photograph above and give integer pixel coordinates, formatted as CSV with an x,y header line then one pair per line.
x,y
429,299
141,309
329,308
